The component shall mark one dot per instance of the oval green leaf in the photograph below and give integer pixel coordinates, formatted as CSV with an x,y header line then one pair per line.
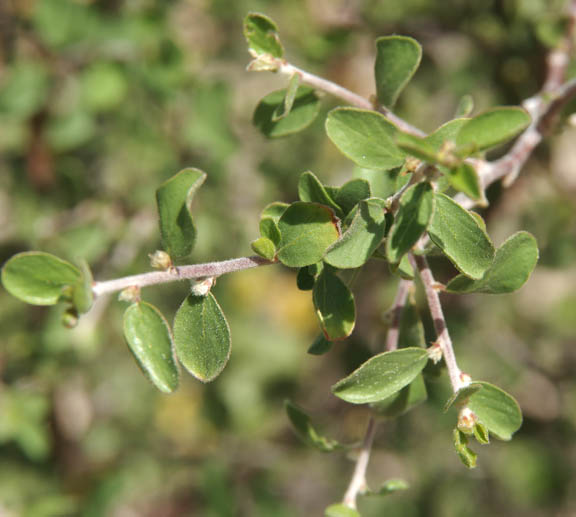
x,y
415,212
306,230
351,193
381,376
362,237
397,58
457,233
148,336
38,278
261,33
445,133
202,337
264,247
364,136
497,410
465,179
304,110
311,190
174,200
493,127
513,263
82,293
335,308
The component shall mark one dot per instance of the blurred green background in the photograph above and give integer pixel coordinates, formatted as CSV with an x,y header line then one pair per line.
x,y
101,101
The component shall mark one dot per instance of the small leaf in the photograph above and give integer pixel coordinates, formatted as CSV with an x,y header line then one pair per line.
x,y
364,136
493,127
461,397
389,487
381,376
497,410
202,337
361,239
464,178
264,247
305,279
306,432
351,193
334,305
445,133
269,230
481,434
82,294
174,200
465,106
340,510
320,346
285,108
311,190
467,456
397,58
148,336
411,221
382,182
513,263
261,33
38,278
304,110
274,211
457,233
307,230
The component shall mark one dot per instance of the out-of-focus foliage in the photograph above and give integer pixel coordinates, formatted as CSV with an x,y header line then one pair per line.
x,y
102,101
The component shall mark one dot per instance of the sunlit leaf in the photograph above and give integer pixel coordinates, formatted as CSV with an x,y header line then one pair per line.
x,y
261,33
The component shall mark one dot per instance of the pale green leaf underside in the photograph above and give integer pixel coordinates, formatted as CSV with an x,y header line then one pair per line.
x,y
148,336
381,376
513,263
457,233
38,278
364,136
202,337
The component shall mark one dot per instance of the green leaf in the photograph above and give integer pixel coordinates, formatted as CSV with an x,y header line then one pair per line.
x,y
493,127
311,190
411,329
202,337
304,110
274,211
497,410
414,214
389,487
382,183
261,33
264,247
403,269
82,294
445,133
362,237
38,278
334,304
481,434
461,397
285,108
465,106
418,147
174,200
364,136
305,279
397,58
148,336
306,432
340,510
307,230
464,178
269,230
351,193
457,233
381,376
513,263
320,346
467,456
